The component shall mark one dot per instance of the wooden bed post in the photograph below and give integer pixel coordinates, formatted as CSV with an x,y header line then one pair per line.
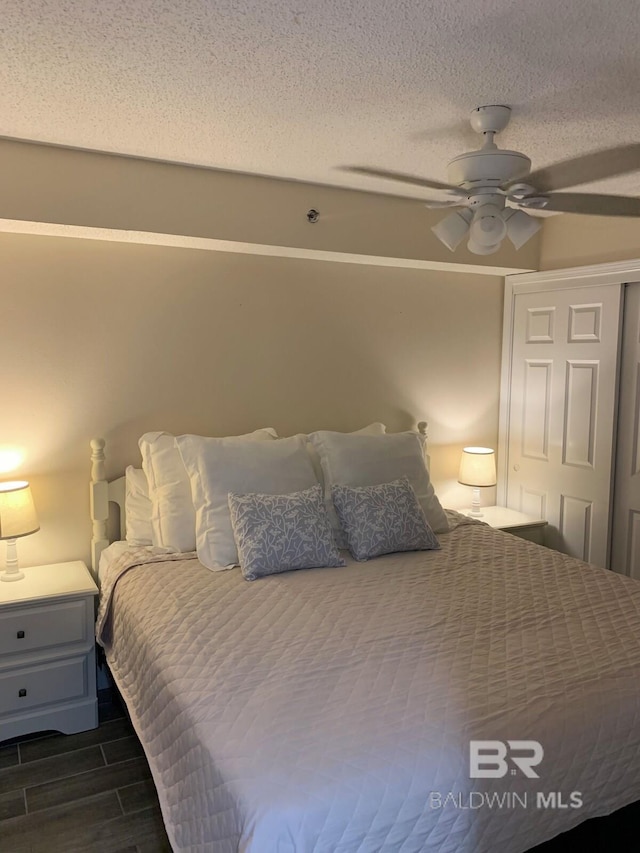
x,y
98,501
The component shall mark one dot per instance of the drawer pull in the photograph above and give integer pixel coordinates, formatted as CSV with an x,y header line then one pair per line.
x,y
22,692
20,635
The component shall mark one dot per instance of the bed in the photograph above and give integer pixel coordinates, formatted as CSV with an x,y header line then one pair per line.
x,y
480,697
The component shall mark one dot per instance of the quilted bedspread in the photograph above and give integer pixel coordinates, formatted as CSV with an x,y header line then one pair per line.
x,y
331,710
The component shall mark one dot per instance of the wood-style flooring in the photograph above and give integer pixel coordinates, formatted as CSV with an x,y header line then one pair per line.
x,y
85,793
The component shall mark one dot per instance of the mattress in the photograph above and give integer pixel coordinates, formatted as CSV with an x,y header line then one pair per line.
x,y
336,710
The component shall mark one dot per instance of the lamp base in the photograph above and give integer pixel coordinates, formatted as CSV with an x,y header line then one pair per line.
x,y
12,572
11,576
475,511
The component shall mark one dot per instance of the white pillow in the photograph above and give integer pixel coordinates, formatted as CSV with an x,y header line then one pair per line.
x,y
173,517
371,429
369,460
218,466
137,507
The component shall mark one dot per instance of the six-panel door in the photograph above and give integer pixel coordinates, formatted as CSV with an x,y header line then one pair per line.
x,y
562,414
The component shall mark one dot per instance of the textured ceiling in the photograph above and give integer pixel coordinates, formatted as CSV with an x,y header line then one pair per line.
x,y
294,88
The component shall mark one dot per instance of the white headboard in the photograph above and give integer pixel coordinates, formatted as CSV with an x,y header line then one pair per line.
x,y
102,493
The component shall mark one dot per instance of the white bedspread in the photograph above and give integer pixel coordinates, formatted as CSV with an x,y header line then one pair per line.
x,y
326,710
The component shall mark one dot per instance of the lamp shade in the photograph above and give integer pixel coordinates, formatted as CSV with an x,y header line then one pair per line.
x,y
17,511
477,467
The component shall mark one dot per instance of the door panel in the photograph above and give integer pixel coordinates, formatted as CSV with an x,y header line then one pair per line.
x,y
575,525
580,419
561,417
536,409
625,552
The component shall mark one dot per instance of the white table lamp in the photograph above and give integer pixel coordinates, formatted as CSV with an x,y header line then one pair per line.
x,y
17,518
477,469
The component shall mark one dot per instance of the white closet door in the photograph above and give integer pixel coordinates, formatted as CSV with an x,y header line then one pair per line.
x,y
625,551
562,414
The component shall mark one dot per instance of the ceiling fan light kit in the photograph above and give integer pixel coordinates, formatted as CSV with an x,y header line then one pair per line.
x,y
480,249
520,227
490,186
453,228
487,226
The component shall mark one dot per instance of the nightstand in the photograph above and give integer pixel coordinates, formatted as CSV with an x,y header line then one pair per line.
x,y
525,526
47,651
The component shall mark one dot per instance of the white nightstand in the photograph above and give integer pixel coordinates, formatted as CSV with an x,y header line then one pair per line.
x,y
525,526
47,651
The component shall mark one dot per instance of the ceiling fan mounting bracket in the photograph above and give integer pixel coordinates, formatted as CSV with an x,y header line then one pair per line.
x,y
490,119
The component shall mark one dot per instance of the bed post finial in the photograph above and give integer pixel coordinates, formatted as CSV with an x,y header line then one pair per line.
x,y
423,428
97,459
98,501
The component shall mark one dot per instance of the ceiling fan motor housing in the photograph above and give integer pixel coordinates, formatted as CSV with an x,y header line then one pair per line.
x,y
491,167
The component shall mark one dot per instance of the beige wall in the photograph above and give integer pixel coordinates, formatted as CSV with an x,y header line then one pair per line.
x,y
45,184
569,241
112,339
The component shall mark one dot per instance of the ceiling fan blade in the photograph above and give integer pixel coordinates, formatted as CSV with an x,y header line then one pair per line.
x,y
597,205
584,170
432,204
404,178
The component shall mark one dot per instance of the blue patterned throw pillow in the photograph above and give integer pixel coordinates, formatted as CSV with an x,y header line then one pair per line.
x,y
277,533
382,519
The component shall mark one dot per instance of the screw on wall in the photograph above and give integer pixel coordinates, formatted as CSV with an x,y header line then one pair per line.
x,y
313,215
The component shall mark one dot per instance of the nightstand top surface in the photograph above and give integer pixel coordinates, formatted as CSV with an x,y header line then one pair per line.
x,y
502,517
41,583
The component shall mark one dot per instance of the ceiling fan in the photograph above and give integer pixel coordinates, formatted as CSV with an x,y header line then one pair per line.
x,y
495,187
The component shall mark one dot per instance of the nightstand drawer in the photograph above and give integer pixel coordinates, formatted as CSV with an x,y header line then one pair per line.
x,y
27,688
531,534
28,629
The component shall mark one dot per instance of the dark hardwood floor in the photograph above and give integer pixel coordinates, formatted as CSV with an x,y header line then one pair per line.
x,y
85,793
